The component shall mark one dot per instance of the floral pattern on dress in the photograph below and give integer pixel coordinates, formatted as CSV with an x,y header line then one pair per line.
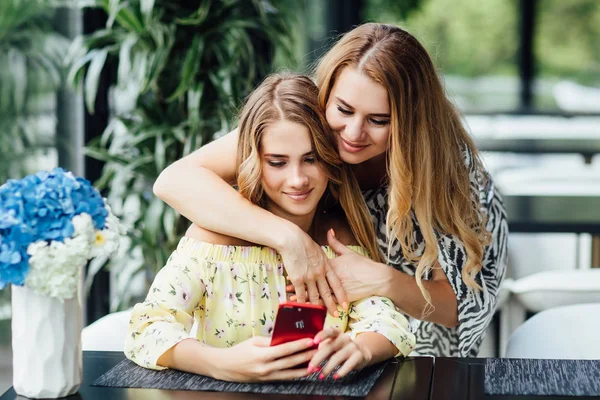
x,y
232,293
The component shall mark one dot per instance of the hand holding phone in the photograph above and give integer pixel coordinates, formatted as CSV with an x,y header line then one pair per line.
x,y
296,321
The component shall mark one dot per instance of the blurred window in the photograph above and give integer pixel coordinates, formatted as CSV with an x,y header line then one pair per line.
x,y
567,52
473,43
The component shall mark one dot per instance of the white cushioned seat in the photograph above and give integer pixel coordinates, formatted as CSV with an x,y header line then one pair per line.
x,y
107,333
549,289
569,332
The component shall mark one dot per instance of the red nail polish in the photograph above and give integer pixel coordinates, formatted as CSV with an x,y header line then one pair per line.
x,y
321,377
336,377
311,369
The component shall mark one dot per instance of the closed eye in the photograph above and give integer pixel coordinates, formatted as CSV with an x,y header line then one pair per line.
x,y
276,164
380,122
310,160
344,111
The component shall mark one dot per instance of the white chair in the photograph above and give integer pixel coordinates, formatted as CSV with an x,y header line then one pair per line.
x,y
568,332
107,333
549,270
549,289
543,291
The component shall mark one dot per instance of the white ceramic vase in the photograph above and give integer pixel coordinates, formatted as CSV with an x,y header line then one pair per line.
x,y
46,343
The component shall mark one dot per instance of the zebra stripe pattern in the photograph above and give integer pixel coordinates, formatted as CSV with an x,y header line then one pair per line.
x,y
475,308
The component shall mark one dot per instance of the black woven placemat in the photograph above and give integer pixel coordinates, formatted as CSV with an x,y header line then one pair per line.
x,y
127,374
513,376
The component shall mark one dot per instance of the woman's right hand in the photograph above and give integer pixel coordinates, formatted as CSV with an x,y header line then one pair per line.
x,y
311,273
254,360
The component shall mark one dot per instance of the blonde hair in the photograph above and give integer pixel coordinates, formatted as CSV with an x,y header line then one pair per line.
x,y
426,166
294,98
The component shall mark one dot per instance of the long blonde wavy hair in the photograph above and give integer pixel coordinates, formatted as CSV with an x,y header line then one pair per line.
x,y
294,98
427,173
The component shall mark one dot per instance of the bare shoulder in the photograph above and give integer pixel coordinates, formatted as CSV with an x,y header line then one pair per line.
x,y
204,235
335,220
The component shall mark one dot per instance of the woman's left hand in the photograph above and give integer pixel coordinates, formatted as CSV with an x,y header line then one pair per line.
x,y
339,350
360,276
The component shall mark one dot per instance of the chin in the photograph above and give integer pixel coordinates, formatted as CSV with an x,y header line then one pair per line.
x,y
300,211
352,158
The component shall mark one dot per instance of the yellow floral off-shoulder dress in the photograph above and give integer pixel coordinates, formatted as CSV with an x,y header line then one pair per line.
x,y
233,293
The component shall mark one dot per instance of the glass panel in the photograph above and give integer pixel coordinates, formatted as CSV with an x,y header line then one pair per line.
x,y
567,50
307,36
473,43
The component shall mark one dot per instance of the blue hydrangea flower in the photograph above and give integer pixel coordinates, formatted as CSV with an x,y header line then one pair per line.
x,y
41,207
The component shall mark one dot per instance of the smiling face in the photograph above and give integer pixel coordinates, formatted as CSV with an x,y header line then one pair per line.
x,y
358,112
292,179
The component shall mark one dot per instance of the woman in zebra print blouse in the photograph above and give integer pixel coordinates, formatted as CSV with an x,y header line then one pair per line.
x,y
438,220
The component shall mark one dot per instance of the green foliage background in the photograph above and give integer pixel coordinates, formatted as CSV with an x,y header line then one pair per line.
x,y
475,38
31,60
182,68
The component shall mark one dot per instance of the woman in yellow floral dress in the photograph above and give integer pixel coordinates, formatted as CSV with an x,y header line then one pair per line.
x,y
288,164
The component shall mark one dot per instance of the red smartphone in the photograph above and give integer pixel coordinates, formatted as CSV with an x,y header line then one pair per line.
x,y
297,321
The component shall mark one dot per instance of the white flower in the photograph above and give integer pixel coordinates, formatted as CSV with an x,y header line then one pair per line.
x,y
55,268
106,241
83,226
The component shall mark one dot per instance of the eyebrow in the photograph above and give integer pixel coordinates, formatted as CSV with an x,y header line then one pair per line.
x,y
274,155
349,106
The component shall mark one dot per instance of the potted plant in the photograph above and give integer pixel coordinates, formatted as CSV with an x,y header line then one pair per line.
x,y
181,67
51,224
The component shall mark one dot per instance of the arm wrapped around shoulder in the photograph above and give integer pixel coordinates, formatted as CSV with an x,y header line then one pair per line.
x,y
166,317
378,314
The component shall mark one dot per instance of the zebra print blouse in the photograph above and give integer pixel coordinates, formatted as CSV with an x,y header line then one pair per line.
x,y
475,309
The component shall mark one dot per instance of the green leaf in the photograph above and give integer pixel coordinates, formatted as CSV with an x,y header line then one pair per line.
x,y
159,153
100,154
146,7
153,218
191,65
113,7
124,69
197,17
169,224
128,20
108,173
194,97
146,135
17,69
92,78
179,134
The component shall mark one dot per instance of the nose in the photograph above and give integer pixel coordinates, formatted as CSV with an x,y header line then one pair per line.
x,y
354,129
298,178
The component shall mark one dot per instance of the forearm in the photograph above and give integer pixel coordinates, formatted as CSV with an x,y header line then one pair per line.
x,y
213,204
377,346
402,289
190,355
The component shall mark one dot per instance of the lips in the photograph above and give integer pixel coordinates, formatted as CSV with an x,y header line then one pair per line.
x,y
352,147
299,196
